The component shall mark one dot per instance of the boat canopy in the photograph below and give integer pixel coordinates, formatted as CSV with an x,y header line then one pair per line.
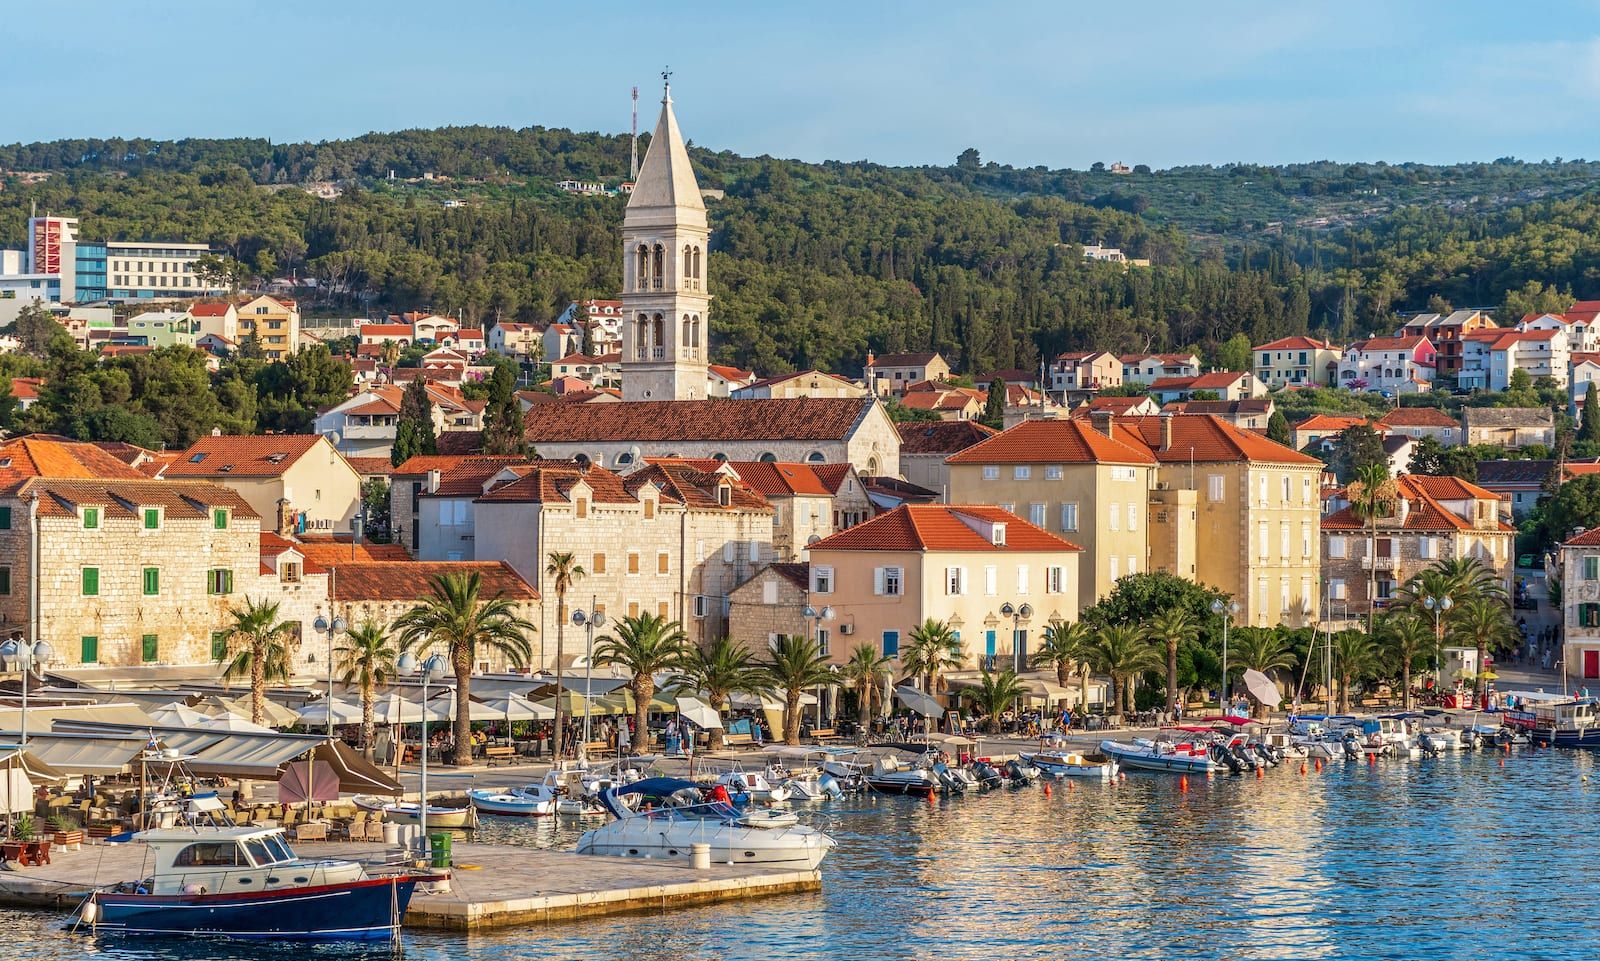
x,y
651,789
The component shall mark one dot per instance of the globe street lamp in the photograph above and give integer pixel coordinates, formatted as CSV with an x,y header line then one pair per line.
x,y
588,622
26,657
429,670
1439,606
330,628
1227,611
1017,615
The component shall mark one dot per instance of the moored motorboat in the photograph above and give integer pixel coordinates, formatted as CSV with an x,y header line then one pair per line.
x,y
1071,764
409,812
245,882
755,785
513,802
667,817
888,775
1178,757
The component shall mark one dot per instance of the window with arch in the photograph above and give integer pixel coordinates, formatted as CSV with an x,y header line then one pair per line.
x,y
658,337
687,340
657,267
688,263
720,457
641,336
641,269
872,466
697,274
815,457
768,457
695,341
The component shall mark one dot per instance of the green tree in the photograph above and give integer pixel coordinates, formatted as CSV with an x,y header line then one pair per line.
x,y
1264,649
39,331
793,664
1061,650
376,524
1172,628
1355,657
1533,298
456,616
1409,640
563,572
1589,429
1122,653
994,405
1236,353
366,659
1373,495
865,674
1359,447
968,159
414,428
995,694
1485,624
644,646
1575,505
1428,456
931,649
257,648
718,670
1278,429
502,418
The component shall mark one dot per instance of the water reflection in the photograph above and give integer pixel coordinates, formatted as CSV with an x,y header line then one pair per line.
x,y
1455,857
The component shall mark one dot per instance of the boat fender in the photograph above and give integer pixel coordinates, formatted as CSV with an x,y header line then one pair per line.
x,y
194,889
91,912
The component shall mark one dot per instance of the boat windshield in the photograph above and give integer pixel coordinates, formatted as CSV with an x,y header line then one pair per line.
x,y
259,852
279,847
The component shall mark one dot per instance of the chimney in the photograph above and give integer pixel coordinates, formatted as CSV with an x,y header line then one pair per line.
x,y
1166,433
285,518
1102,421
433,481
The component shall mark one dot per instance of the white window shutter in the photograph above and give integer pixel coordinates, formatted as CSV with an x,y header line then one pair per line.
x,y
877,580
728,552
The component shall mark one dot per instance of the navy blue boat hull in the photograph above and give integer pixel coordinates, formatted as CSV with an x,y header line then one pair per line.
x,y
369,910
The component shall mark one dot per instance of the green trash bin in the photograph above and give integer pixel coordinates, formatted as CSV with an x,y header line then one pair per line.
x,y
440,844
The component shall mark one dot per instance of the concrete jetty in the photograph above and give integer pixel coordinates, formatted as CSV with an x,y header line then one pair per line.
x,y
492,885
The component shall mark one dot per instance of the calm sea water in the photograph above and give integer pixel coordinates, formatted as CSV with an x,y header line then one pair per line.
x,y
1459,857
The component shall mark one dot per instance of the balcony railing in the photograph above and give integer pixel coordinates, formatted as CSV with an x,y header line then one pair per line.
x,y
1377,563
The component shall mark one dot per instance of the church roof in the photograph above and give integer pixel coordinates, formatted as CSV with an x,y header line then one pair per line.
x,y
666,179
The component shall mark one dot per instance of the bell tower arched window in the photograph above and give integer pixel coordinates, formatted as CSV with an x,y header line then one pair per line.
x,y
697,275
687,340
641,270
641,337
658,336
658,267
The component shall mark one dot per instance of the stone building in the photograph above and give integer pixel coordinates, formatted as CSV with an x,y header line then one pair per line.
x,y
1436,519
772,604
295,482
809,501
924,447
430,502
667,539
811,430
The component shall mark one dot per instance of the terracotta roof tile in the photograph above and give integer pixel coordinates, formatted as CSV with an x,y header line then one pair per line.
x,y
331,553
797,574
918,359
1053,442
1208,438
409,580
1589,538
808,418
1418,417
371,466
1330,422
419,464
1296,343
41,455
265,455
942,527
780,479
945,437
124,498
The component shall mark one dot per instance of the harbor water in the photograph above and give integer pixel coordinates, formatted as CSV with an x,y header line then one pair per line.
x,y
1470,856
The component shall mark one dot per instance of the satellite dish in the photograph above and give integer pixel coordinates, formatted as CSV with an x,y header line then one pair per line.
x,y
333,437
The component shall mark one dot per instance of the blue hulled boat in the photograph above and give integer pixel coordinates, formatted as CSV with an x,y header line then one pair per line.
x,y
245,882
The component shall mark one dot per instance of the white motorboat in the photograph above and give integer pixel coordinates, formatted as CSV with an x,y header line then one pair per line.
x,y
409,812
673,816
890,775
755,785
1178,757
810,781
1071,764
1438,740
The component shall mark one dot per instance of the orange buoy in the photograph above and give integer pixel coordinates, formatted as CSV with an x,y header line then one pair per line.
x,y
1319,765
1183,783
1507,746
1302,769
1047,789
1070,786
933,797
1258,773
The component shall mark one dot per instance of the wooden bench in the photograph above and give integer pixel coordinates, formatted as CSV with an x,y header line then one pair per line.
x,y
597,748
500,755
824,734
737,740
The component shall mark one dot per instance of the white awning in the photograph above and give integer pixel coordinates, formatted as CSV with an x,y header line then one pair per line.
x,y
316,712
918,701
100,755
699,712
515,707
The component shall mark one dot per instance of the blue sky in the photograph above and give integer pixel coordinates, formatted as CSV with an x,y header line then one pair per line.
x,y
1027,83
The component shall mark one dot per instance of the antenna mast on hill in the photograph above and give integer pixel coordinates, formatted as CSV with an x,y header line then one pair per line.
x,y
633,164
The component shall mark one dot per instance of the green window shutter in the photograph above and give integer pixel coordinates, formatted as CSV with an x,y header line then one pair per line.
x,y
152,581
219,645
91,518
152,519
90,652
219,519
150,648
5,518
227,582
91,582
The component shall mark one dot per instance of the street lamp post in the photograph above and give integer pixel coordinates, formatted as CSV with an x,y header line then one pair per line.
x,y
589,622
428,670
1438,605
1017,615
26,656
815,616
1227,610
330,628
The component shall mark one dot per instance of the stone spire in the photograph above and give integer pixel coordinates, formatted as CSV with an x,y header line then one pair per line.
x,y
666,179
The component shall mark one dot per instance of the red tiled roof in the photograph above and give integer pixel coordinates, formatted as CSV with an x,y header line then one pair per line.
x,y
1418,417
797,574
1216,380
409,580
730,373
1206,438
550,483
1296,343
386,330
419,464
209,310
371,466
1388,343
1423,494
1052,442
190,500
266,455
1116,405
781,480
467,333
696,488
940,527
469,475
945,437
918,359
1330,422
807,418
953,399
1589,538
1445,488
41,455
333,553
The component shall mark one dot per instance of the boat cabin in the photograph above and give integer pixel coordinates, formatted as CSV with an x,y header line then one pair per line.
x,y
219,860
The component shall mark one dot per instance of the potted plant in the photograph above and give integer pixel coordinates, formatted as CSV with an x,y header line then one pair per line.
x,y
67,836
22,828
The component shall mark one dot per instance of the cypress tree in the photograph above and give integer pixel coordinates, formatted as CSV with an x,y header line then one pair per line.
x,y
502,418
413,433
1589,430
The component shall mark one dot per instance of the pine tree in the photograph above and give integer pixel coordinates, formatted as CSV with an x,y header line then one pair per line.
x,y
413,432
502,418
1278,429
1589,429
994,409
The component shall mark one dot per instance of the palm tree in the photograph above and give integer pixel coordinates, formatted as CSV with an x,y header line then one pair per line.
x,y
865,673
1062,649
1372,495
718,671
1485,624
1467,578
644,645
256,641
457,618
930,650
794,664
564,571
1261,649
366,658
996,693
1173,627
1121,652
1354,658
1409,637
